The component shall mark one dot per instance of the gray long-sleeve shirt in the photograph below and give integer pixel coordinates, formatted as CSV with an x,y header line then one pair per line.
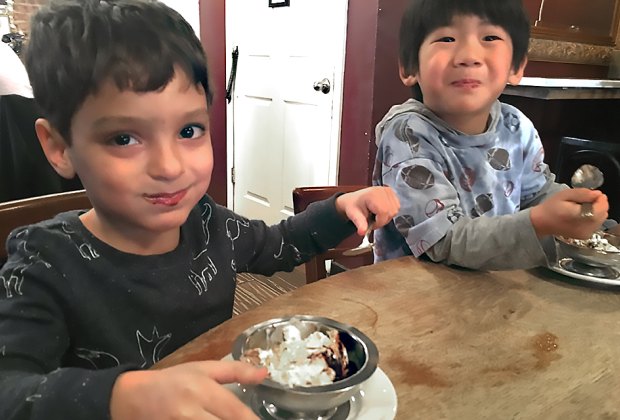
x,y
75,312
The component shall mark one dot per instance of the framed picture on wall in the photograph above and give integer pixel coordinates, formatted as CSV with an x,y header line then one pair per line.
x,y
279,3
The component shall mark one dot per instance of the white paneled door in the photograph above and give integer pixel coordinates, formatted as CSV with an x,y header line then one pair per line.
x,y
284,119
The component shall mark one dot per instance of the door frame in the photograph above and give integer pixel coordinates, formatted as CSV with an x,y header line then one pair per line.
x,y
337,95
371,83
212,30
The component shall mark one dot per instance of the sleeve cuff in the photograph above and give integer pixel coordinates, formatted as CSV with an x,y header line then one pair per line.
x,y
72,393
329,227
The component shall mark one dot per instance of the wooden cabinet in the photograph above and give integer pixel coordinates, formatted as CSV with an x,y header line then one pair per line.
x,y
584,21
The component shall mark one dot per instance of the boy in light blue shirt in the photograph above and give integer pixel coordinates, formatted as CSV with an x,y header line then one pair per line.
x,y
469,171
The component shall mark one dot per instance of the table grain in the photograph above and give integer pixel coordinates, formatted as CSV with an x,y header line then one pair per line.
x,y
464,344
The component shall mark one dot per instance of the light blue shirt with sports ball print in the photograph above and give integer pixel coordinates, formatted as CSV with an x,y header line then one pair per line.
x,y
442,175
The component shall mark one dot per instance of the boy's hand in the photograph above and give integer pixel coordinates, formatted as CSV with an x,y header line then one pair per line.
x,y
186,391
561,214
358,206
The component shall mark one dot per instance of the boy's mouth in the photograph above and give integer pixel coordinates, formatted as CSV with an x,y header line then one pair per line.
x,y
466,83
166,199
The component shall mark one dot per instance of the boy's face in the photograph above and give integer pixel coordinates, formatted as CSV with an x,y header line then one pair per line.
x,y
463,69
144,158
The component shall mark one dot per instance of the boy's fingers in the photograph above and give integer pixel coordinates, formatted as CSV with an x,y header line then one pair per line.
x,y
394,205
602,200
360,221
382,220
227,372
582,195
225,405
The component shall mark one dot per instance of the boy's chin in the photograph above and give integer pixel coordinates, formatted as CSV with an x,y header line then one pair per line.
x,y
166,222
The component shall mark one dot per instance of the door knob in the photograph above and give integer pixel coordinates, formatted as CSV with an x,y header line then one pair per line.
x,y
323,86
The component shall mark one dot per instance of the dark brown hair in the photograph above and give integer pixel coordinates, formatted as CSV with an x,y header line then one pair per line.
x,y
76,45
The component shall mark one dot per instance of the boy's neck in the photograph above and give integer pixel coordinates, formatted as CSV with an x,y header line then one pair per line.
x,y
130,240
469,125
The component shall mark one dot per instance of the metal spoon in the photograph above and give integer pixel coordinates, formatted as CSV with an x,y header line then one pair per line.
x,y
365,246
587,176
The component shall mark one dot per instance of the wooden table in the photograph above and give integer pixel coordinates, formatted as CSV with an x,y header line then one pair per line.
x,y
460,344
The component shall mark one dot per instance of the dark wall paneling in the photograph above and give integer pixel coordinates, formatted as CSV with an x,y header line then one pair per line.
x,y
588,22
389,89
371,83
213,36
358,93
565,70
584,118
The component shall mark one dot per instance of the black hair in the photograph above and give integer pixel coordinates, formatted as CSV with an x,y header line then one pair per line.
x,y
77,45
424,16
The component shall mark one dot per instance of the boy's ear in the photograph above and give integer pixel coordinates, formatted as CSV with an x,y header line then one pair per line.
x,y
515,76
55,148
408,79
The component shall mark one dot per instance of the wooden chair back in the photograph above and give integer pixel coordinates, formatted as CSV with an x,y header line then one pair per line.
x,y
315,268
14,214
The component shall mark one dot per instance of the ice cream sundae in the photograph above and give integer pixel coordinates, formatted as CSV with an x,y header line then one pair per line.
x,y
298,357
596,242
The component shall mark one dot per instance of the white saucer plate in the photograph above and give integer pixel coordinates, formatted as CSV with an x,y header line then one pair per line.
x,y
376,399
599,280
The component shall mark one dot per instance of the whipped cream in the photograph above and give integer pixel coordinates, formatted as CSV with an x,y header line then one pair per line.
x,y
596,242
320,358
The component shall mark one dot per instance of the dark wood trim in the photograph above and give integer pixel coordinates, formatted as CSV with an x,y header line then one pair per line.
x,y
213,36
357,103
565,70
371,83
556,23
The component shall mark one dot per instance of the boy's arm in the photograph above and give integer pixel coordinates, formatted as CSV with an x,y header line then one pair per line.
x,y
500,242
550,188
555,208
265,249
503,242
33,338
494,243
66,393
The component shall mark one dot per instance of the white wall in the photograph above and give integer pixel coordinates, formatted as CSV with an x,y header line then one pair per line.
x,y
189,10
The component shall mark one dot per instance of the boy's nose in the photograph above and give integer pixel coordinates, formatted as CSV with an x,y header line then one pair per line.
x,y
468,54
166,161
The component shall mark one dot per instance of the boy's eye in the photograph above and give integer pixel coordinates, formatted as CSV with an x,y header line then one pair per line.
x,y
445,39
491,38
124,140
192,131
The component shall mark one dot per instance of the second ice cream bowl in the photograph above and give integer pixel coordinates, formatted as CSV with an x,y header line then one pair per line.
x,y
320,401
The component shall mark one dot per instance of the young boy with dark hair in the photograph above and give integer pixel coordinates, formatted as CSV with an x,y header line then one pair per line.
x,y
90,299
469,170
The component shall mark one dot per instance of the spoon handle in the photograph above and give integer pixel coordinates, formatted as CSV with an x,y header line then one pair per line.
x,y
366,245
586,210
370,228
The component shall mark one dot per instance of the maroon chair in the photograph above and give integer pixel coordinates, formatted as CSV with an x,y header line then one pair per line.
x,y
315,268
